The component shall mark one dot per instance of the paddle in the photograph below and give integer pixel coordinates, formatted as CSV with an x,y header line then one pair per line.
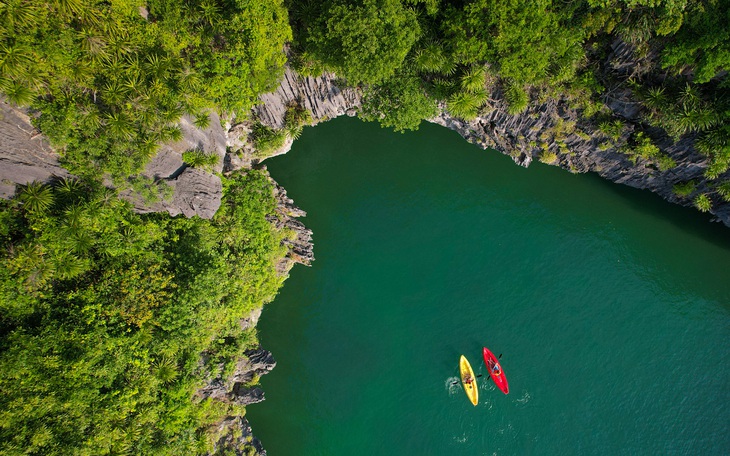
x,y
456,382
480,375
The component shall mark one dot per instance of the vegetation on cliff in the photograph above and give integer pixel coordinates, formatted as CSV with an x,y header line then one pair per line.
x,y
109,81
419,52
105,315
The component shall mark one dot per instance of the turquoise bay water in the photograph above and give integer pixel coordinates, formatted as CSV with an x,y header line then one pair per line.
x,y
610,306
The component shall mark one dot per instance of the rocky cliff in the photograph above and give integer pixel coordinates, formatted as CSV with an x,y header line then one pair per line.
x,y
555,129
25,155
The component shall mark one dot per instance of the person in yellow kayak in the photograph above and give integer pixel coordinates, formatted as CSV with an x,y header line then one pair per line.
x,y
468,380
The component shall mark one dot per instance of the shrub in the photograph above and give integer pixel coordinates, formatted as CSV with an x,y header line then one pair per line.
x,y
149,189
684,189
703,202
516,97
548,157
611,129
723,189
198,159
400,102
266,140
665,162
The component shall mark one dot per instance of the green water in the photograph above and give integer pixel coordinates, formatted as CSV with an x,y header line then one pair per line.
x,y
610,306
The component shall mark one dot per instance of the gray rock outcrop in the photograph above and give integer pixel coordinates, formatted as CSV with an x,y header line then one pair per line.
x,y
300,248
235,437
237,388
320,95
556,127
25,155
195,191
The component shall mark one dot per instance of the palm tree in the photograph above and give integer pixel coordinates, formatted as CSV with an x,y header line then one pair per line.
x,y
113,92
14,59
209,11
433,59
67,266
69,187
724,190
18,94
119,125
465,105
703,202
20,14
473,79
69,7
165,369
36,197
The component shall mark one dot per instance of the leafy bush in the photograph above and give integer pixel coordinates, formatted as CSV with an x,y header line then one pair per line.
x,y
516,97
400,102
295,119
665,162
641,146
199,159
365,42
548,157
266,140
684,189
109,85
149,189
703,202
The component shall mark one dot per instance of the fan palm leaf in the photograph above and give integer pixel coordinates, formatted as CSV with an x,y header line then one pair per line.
x,y
36,197
19,94
473,79
465,105
14,59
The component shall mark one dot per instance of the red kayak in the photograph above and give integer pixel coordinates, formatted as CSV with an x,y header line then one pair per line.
x,y
495,370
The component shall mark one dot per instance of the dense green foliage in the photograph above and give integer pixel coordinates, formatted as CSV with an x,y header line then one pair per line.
x,y
456,51
105,315
111,79
400,102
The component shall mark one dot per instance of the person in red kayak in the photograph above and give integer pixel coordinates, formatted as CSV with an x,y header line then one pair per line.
x,y
494,367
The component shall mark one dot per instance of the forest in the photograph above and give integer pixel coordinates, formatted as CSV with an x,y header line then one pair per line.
x,y
106,313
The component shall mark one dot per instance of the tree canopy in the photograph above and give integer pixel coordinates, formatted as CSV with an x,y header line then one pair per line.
x,y
106,315
364,41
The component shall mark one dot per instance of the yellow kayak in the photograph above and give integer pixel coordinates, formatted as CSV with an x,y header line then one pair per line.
x,y
468,380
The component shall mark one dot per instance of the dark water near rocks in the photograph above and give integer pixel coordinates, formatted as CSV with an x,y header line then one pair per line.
x,y
610,306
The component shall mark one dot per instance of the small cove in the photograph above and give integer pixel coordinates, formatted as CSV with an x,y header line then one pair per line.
x,y
610,306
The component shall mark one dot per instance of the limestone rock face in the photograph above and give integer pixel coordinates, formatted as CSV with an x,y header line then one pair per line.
x,y
320,95
543,128
195,192
25,155
300,247
236,389
235,437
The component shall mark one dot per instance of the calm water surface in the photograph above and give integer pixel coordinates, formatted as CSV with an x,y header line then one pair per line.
x,y
610,306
